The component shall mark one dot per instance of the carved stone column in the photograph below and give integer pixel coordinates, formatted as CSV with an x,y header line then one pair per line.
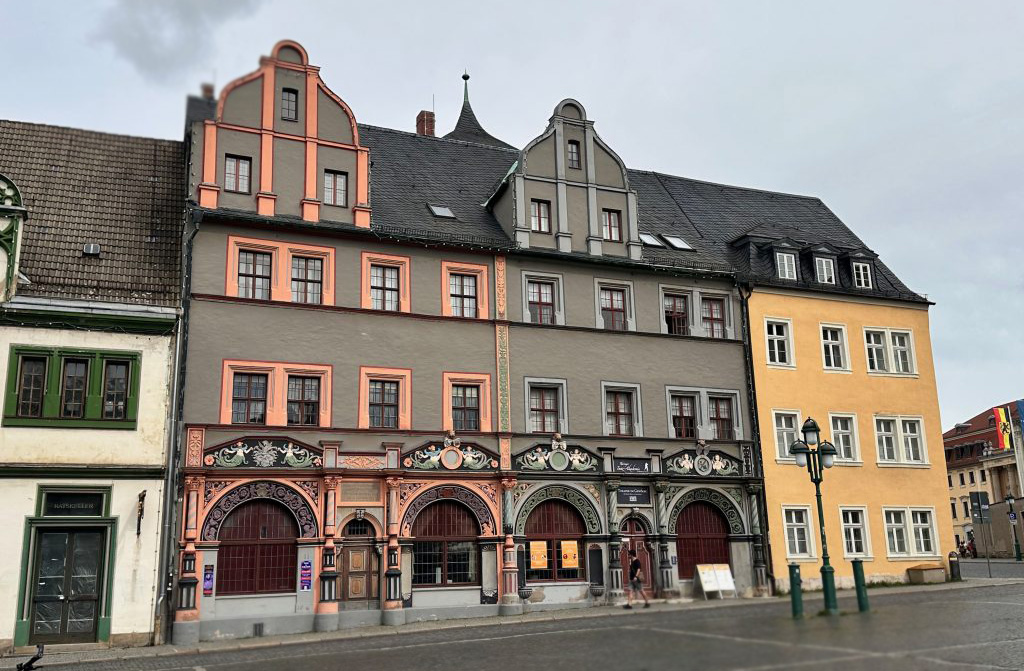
x,y
393,613
326,618
664,563
614,563
761,587
510,603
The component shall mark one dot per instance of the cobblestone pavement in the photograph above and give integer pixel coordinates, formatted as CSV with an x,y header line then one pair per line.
x,y
1001,568
968,627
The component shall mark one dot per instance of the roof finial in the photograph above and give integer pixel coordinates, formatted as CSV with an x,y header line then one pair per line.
x,y
465,86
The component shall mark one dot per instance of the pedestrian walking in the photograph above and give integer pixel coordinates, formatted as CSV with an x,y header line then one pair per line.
x,y
636,582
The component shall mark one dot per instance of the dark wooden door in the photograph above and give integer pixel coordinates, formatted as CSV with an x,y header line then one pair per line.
x,y
359,573
66,586
702,537
634,537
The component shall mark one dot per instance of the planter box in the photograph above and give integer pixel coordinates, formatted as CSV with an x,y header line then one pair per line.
x,y
924,574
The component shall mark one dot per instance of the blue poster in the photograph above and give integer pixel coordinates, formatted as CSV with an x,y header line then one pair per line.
x,y
306,576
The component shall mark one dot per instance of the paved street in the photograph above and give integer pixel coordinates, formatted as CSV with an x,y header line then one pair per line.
x,y
947,629
1001,568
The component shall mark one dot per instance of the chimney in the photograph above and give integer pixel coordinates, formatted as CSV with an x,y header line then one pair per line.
x,y
425,123
207,90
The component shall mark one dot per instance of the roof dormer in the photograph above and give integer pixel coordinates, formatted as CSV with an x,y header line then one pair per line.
x,y
12,216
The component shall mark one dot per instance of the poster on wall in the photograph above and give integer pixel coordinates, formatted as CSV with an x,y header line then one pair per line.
x,y
208,580
570,554
306,576
538,554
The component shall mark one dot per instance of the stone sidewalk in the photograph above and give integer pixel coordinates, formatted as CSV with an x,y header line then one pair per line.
x,y
73,655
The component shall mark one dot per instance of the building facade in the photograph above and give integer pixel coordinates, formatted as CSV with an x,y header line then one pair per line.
x,y
88,316
443,377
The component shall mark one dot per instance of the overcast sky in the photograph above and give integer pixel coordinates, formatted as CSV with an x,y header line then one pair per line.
x,y
906,118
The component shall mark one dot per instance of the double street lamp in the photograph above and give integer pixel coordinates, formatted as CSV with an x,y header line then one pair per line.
x,y
816,459
1013,526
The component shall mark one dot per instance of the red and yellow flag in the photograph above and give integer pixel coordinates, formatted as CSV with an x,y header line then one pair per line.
x,y
1002,428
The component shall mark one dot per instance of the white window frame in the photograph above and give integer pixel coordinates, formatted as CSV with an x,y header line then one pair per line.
x,y
865,532
821,264
787,339
552,278
889,547
785,266
563,403
780,454
844,348
697,324
911,362
692,308
638,416
909,532
627,286
866,281
854,437
703,394
812,550
889,351
899,444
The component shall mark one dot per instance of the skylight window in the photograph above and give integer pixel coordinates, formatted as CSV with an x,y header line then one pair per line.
x,y
441,211
676,242
649,239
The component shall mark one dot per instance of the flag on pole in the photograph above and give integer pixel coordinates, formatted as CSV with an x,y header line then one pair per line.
x,y
1002,428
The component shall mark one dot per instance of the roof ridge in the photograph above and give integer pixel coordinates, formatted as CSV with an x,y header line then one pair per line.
x,y
660,174
439,138
34,124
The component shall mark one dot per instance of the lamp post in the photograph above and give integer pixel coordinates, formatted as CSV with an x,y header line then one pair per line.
x,y
816,460
1013,526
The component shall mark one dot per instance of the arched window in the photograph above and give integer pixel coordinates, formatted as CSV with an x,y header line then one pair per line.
x,y
702,537
358,527
556,528
445,551
258,550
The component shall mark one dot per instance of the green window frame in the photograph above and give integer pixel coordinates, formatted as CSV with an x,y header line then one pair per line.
x,y
93,416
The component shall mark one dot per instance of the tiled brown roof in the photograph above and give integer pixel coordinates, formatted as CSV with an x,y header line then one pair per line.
x,y
124,193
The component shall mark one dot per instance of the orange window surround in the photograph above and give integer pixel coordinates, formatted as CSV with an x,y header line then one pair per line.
x,y
482,380
482,291
277,387
403,264
281,266
401,375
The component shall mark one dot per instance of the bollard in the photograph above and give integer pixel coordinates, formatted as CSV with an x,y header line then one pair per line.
x,y
862,589
954,566
796,595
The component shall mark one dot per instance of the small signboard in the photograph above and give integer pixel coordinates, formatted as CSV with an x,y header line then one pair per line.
x,y
208,580
716,578
636,496
305,576
538,554
1013,517
570,554
73,504
980,513
631,465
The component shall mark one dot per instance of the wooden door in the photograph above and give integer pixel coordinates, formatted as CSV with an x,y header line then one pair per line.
x,y
634,537
359,573
66,586
702,535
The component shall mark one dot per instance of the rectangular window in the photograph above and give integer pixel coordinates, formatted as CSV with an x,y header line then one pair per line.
x,y
902,362
73,388
885,430
677,314
875,341
684,416
861,275
574,155
712,315
307,279
254,270
613,308
540,297
896,531
833,348
612,225
236,173
544,409
824,270
970,476
720,414
465,407
384,404
854,532
249,398
982,473
967,509
115,389
949,479
962,483
335,188
923,535
911,429
462,294
303,400
786,264
843,437
952,508
778,343
540,216
384,287
797,532
785,432
619,412
31,386
289,104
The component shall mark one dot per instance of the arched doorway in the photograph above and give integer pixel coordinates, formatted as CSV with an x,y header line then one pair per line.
x,y
702,537
634,537
258,550
557,528
445,551
359,564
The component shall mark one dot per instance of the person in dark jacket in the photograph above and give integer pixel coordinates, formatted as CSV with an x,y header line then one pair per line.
x,y
636,582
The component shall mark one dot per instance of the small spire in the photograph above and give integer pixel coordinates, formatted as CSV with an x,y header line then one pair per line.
x,y
465,86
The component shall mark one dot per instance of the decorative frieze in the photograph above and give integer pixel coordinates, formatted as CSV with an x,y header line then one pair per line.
x,y
704,463
451,456
276,491
558,457
262,453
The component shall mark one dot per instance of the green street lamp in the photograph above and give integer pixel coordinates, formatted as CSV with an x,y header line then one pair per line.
x,y
816,460
1013,526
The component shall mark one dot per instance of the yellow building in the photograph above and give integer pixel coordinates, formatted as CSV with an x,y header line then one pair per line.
x,y
835,336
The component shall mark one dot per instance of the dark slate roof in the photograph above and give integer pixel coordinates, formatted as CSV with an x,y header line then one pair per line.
x,y
125,193
468,129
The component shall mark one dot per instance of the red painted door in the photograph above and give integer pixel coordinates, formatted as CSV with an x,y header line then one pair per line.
x,y
702,537
634,537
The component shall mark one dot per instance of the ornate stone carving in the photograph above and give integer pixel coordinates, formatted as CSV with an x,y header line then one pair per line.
x,y
453,456
311,487
748,461
558,457
365,462
262,453
504,408
715,498
500,287
592,490
704,463
519,490
735,492
213,488
568,494
407,490
459,493
194,447
491,491
276,491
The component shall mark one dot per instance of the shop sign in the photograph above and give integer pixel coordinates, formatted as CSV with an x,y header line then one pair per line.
x,y
306,576
538,554
633,495
631,465
76,504
570,554
208,580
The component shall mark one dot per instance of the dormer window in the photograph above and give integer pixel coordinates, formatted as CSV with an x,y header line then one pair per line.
x,y
289,104
612,226
824,270
785,262
574,155
861,275
676,242
236,173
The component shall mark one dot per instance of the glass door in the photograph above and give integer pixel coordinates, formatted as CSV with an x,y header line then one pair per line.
x,y
66,589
